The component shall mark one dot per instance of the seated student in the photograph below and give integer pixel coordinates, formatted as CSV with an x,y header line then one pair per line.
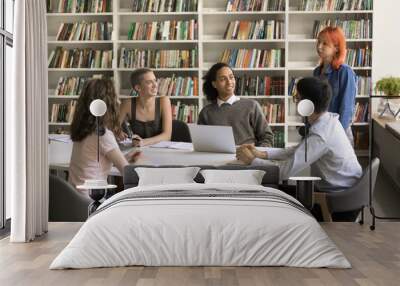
x,y
84,163
330,153
150,117
244,115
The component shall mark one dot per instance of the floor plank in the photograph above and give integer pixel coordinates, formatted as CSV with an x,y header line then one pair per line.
x,y
374,255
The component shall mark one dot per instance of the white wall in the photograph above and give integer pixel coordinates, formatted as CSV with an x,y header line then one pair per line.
x,y
386,44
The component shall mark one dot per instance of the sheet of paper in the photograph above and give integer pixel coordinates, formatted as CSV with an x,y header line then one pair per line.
x,y
173,145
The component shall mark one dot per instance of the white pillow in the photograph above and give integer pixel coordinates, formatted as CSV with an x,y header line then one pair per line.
x,y
248,177
166,176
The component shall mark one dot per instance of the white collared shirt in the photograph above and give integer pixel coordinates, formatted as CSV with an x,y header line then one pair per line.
x,y
330,155
231,100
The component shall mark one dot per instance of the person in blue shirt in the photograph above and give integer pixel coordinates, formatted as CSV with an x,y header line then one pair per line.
x,y
331,48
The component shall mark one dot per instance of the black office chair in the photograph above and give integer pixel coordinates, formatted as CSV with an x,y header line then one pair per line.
x,y
180,132
65,203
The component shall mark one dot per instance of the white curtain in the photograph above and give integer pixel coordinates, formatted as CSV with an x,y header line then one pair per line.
x,y
26,124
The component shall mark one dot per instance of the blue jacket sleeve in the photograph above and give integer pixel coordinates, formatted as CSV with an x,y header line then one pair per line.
x,y
348,91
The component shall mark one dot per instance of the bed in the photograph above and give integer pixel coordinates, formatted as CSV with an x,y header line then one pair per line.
x,y
197,224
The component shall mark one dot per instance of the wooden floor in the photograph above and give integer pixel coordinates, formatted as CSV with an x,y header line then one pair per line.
x,y
375,257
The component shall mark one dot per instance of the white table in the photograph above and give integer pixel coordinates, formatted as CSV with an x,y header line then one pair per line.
x,y
60,154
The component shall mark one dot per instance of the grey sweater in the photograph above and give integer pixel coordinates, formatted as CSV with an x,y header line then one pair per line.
x,y
246,118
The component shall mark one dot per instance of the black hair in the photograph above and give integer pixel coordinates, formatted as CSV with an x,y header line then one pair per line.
x,y
211,75
317,90
137,76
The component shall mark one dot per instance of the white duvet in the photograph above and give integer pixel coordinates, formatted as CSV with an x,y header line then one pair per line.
x,y
200,231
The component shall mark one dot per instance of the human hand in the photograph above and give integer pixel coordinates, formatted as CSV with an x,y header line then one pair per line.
x,y
137,141
257,153
120,135
245,155
133,156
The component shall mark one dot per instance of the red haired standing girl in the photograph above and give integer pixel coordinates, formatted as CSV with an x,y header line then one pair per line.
x,y
331,48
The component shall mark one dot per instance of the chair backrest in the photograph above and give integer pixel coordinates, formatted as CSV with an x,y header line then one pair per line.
x,y
180,132
357,196
65,203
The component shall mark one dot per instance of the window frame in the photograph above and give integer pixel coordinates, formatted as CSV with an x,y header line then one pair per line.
x,y
6,39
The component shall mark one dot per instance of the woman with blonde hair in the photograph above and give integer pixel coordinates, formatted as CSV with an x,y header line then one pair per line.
x,y
331,48
84,165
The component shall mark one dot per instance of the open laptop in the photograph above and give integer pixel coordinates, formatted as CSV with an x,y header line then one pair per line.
x,y
211,138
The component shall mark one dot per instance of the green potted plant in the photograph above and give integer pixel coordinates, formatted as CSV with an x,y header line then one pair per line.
x,y
389,85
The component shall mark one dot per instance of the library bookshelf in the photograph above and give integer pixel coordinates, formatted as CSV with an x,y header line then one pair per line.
x,y
296,41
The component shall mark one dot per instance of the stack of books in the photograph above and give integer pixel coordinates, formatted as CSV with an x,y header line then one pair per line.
x,y
178,86
360,57
274,112
63,113
364,85
79,6
185,112
259,85
253,58
164,5
72,85
255,5
254,30
334,5
279,139
167,30
136,58
84,31
360,112
80,58
353,29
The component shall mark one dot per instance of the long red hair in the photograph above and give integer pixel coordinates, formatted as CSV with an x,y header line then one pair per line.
x,y
336,36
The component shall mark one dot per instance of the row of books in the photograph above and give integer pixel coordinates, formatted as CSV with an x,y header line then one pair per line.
x,y
167,30
78,6
253,58
359,57
135,58
364,85
279,139
185,112
72,85
80,58
178,86
259,85
248,30
255,5
274,112
334,5
360,112
84,31
164,5
63,112
353,29
361,138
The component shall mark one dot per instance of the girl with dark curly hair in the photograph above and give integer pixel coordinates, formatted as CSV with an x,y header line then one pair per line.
x,y
84,163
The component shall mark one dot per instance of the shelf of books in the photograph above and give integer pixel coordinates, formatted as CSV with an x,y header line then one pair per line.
x,y
269,43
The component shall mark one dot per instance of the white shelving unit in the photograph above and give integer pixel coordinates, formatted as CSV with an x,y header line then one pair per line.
x,y
300,55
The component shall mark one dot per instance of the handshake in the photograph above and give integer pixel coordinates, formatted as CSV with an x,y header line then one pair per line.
x,y
248,152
